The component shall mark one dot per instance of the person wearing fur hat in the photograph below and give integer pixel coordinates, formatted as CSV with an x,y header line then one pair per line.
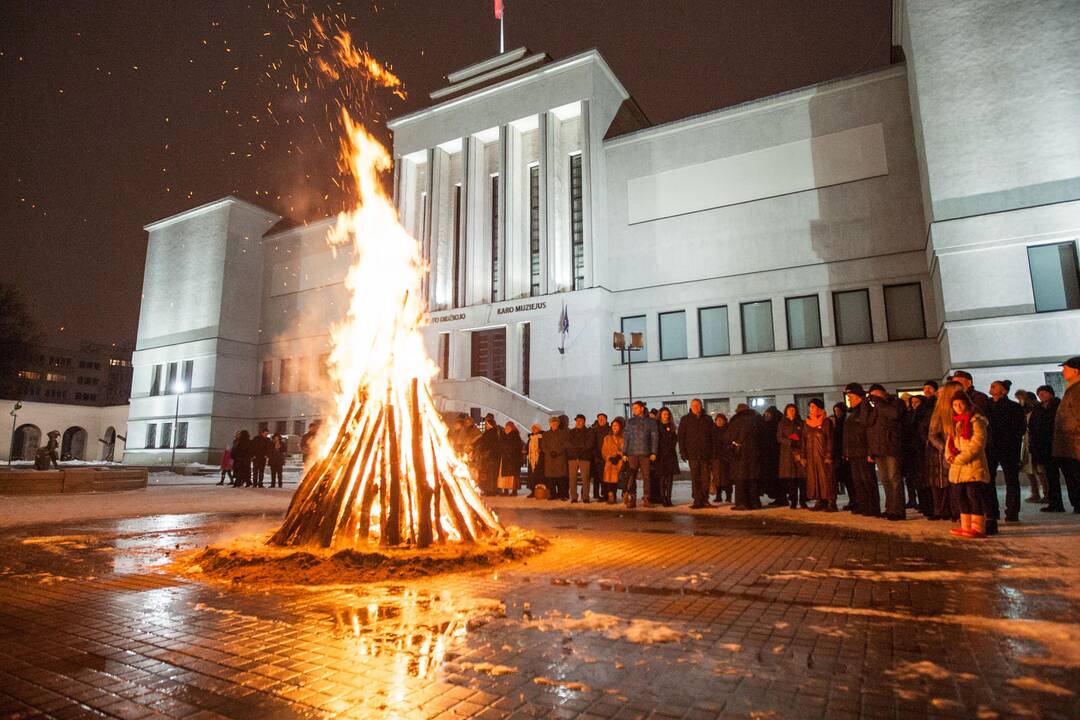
x,y
965,452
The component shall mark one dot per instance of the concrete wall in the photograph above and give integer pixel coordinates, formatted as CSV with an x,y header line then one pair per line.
x,y
53,416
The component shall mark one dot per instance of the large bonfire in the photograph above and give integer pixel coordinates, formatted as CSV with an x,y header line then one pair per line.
x,y
386,472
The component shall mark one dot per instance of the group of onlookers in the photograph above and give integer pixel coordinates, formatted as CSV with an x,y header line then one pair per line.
x,y
938,453
246,460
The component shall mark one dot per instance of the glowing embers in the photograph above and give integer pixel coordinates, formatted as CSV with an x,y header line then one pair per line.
x,y
386,471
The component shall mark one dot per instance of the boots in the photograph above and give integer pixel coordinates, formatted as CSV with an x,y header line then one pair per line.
x,y
965,526
978,526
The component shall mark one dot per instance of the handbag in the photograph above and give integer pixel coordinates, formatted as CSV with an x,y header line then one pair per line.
x,y
626,477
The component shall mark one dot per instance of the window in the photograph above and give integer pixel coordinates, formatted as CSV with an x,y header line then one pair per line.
x,y
802,401
717,405
673,335
678,409
166,435
852,311
761,402
444,355
713,331
904,311
577,223
181,435
1055,276
155,381
456,280
151,435
1055,380
29,375
187,374
495,237
118,362
281,426
55,377
803,322
757,327
267,384
635,324
324,366
287,375
303,374
534,230
298,427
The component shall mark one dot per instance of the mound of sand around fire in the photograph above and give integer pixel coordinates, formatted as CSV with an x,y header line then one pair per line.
x,y
249,560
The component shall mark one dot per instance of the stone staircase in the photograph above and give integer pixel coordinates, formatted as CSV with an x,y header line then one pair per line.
x,y
489,396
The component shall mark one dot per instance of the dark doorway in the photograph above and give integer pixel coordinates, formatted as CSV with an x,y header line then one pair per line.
x,y
73,444
489,354
25,443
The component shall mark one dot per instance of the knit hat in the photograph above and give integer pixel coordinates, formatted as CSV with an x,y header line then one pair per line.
x,y
854,389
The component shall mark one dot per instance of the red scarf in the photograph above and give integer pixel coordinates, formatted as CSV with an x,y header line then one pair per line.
x,y
966,429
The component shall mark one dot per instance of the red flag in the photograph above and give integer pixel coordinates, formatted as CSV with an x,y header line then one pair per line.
x,y
498,9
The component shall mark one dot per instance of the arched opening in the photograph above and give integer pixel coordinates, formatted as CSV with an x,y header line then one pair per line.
x,y
73,445
108,444
25,443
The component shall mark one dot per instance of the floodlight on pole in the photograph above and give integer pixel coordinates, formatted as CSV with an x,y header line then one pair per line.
x,y
637,342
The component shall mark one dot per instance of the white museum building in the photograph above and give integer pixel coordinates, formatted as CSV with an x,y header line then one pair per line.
x,y
885,227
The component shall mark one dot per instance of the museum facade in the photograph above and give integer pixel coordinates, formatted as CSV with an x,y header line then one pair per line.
x,y
885,227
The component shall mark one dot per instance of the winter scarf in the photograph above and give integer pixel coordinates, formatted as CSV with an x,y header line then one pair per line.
x,y
966,429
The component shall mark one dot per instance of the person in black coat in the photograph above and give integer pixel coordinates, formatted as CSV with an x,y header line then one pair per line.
x,y
275,458
1041,445
259,449
720,464
579,458
769,451
696,434
666,465
241,455
511,457
601,430
1008,424
744,434
884,445
841,467
857,453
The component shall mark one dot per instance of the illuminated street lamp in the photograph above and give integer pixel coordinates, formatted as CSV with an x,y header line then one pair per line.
x,y
178,388
637,342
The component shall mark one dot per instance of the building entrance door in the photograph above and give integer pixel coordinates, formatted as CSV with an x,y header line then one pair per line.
x,y
489,354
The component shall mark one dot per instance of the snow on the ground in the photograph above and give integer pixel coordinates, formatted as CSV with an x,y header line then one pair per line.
x,y
612,627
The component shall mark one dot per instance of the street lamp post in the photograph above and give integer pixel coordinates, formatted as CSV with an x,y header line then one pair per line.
x,y
14,420
178,388
637,342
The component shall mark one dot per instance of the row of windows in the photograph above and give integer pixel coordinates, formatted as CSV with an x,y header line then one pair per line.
x,y
119,362
166,435
89,365
299,427
85,396
851,314
87,380
55,394
294,374
59,361
171,385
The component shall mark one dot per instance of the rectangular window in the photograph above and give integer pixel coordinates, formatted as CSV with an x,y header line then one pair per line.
x,y
187,374
456,281
151,435
1055,380
757,327
495,237
298,427
803,322
526,355
181,435
717,405
166,435
444,355
673,335
324,366
577,222
534,230
287,375
678,409
267,384
713,331
904,311
851,309
155,380
761,402
281,426
631,325
1055,276
303,374
170,382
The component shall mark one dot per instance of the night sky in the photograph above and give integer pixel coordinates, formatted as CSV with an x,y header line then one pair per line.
x,y
116,114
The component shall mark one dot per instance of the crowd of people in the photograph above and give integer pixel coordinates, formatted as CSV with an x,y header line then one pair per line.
x,y
937,453
245,462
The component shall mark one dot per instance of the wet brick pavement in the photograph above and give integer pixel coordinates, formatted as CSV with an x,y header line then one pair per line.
x,y
764,617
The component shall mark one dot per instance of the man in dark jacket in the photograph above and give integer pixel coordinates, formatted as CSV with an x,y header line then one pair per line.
x,y
744,433
696,432
1007,427
579,458
1041,445
867,501
922,429
601,430
260,448
554,445
884,445
1066,448
307,443
641,439
978,399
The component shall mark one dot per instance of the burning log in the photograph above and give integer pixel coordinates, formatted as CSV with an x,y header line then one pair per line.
x,y
388,473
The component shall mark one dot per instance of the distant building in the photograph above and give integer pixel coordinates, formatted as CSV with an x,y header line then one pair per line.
x,y
885,227
75,373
